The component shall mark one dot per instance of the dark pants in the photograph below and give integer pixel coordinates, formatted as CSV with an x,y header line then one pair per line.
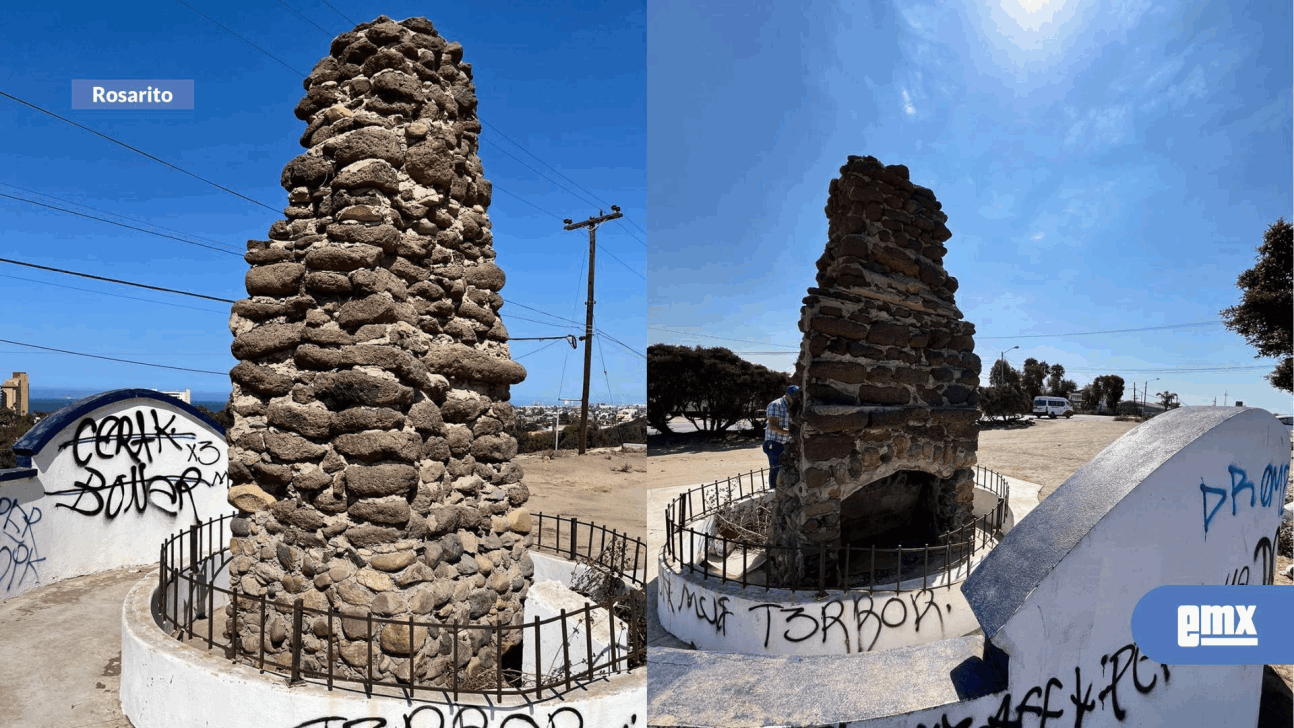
x,y
774,452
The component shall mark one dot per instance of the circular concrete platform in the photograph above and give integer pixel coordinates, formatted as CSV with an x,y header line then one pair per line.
x,y
165,683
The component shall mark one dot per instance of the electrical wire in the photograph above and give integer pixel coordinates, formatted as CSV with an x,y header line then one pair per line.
x,y
1110,331
239,37
137,150
621,262
116,295
335,10
108,358
308,20
536,351
119,215
119,224
658,327
114,280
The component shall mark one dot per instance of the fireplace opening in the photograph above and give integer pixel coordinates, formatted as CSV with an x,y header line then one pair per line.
x,y
896,511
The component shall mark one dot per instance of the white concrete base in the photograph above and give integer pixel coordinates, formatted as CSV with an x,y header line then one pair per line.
x,y
548,599
723,617
165,683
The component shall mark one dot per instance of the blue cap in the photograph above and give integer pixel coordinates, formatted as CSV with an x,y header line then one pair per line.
x,y
791,390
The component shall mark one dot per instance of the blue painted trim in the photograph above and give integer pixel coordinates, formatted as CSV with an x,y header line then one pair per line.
x,y
16,473
45,430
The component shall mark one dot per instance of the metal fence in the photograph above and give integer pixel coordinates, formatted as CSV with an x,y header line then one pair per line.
x,y
192,563
826,569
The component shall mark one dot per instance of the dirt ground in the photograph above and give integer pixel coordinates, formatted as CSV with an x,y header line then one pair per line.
x,y
605,486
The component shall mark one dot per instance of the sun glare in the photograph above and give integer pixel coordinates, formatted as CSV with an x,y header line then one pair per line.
x,y
1032,14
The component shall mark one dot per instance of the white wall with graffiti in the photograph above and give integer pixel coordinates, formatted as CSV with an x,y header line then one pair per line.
x,y
754,621
102,482
1189,498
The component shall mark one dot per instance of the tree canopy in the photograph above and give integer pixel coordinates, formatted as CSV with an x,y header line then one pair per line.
x,y
1005,397
710,386
1265,314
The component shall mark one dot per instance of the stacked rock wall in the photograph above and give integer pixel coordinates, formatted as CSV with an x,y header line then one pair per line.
x,y
369,452
888,376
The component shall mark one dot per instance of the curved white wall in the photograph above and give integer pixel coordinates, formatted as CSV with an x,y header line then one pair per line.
x,y
103,482
165,683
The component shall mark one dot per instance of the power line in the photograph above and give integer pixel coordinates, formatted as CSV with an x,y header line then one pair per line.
x,y
529,308
114,214
541,174
114,222
108,358
709,336
114,280
115,295
1111,331
621,262
536,351
631,234
137,150
528,202
308,20
335,10
248,42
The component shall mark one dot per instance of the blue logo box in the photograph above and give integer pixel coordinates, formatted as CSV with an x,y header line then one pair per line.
x,y
132,94
1216,625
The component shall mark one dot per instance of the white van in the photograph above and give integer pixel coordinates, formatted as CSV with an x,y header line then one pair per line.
x,y
1052,406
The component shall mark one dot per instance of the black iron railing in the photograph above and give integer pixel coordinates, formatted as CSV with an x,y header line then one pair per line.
x,y
704,551
192,563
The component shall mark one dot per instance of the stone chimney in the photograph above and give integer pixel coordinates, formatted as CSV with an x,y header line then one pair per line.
x,y
369,453
886,434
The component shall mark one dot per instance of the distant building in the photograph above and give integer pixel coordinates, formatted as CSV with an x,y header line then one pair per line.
x,y
15,393
184,396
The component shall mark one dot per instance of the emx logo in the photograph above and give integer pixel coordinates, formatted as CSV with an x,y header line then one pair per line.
x,y
1216,625
1209,625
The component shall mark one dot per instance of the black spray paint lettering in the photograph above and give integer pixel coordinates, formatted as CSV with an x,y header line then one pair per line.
x,y
461,716
204,453
868,620
110,436
137,440
136,490
1039,700
18,554
1271,489
716,616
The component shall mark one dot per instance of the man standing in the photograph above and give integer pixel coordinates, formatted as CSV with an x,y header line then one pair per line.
x,y
778,431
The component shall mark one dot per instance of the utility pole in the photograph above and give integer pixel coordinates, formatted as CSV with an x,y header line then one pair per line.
x,y
592,224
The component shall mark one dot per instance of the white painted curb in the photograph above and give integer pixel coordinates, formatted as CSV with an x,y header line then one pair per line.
x,y
165,683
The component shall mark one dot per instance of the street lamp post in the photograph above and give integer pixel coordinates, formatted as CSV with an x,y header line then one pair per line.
x,y
1145,390
1002,358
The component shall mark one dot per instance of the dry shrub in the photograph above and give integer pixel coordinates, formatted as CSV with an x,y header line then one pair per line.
x,y
600,582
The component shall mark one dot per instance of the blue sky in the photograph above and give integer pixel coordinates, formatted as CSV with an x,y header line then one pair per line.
x,y
564,80
1103,166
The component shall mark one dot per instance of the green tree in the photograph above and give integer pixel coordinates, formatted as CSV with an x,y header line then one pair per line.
x,y
1005,397
1168,400
1263,315
1093,395
1035,375
1111,386
12,427
710,386
1055,380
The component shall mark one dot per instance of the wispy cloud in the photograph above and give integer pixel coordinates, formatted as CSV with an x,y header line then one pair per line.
x,y
1037,236
908,108
1102,126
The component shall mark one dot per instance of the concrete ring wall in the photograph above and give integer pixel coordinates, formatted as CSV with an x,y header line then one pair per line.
x,y
725,617
719,617
166,683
